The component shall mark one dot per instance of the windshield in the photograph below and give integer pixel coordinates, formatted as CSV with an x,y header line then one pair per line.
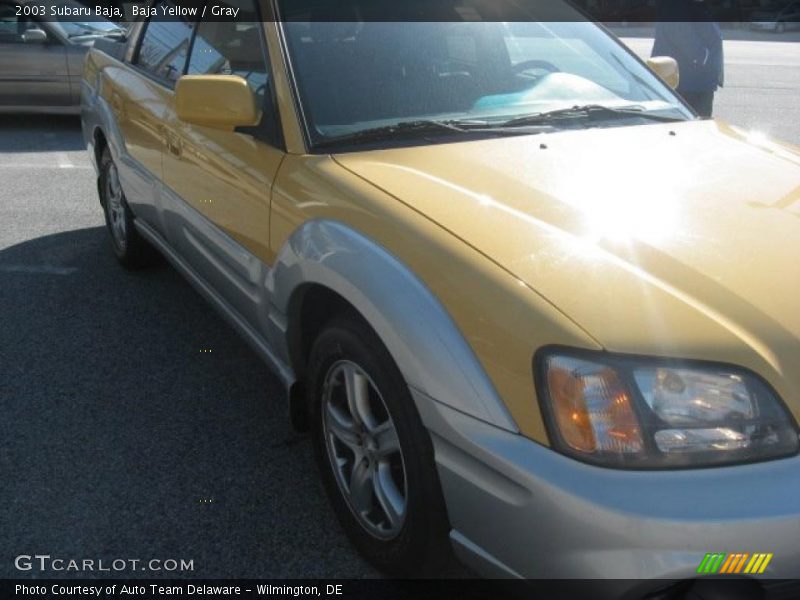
x,y
356,76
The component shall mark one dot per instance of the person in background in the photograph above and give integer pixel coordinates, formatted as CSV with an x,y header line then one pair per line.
x,y
685,32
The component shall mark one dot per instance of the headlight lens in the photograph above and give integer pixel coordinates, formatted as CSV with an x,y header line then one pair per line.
x,y
649,413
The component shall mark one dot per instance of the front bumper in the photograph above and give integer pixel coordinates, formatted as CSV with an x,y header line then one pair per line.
x,y
519,509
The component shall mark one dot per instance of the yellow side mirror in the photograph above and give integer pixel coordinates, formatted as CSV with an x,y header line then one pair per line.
x,y
665,67
219,101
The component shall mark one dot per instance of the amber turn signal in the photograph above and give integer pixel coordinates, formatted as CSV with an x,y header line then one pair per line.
x,y
592,409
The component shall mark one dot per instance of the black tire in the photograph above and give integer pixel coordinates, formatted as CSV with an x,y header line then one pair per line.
x,y
421,548
131,249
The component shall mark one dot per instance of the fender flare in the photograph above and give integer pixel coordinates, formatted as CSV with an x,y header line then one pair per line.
x,y
430,351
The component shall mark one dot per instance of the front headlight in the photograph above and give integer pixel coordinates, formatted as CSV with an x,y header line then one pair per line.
x,y
628,412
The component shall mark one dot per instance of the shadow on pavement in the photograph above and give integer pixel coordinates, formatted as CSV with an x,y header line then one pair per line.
x,y
121,439
40,133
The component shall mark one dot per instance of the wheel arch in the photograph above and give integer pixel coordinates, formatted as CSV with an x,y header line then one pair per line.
x,y
327,266
311,306
99,145
100,142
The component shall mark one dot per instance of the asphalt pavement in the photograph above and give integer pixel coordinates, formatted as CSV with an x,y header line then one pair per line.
x,y
762,79
121,436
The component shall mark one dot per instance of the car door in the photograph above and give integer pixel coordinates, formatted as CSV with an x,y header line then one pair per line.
x,y
33,71
220,181
138,94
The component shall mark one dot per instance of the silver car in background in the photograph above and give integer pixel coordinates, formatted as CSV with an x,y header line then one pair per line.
x,y
41,61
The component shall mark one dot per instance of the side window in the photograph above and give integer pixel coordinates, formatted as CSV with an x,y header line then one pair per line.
x,y
164,47
236,48
8,24
11,26
232,48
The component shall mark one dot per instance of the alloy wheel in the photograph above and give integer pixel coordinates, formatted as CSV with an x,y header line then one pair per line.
x,y
364,450
116,207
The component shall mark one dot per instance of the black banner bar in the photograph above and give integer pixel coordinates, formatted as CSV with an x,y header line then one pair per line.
x,y
713,588
610,11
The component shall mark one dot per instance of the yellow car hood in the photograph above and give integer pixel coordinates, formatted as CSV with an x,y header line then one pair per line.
x,y
668,239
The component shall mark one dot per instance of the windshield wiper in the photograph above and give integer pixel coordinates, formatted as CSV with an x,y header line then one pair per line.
x,y
419,128
588,111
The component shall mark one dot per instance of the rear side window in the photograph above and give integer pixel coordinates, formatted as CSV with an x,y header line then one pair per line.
x,y
164,47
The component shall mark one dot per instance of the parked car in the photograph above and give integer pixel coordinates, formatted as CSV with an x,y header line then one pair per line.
x,y
41,59
531,308
777,16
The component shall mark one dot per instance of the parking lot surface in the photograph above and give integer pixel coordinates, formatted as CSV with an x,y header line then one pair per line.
x,y
120,436
762,79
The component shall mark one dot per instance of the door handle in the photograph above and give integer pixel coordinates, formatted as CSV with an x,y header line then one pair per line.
x,y
174,144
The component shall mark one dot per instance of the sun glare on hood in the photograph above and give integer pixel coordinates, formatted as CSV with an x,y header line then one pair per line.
x,y
627,209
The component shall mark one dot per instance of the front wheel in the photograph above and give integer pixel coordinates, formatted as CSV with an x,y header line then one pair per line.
x,y
374,454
